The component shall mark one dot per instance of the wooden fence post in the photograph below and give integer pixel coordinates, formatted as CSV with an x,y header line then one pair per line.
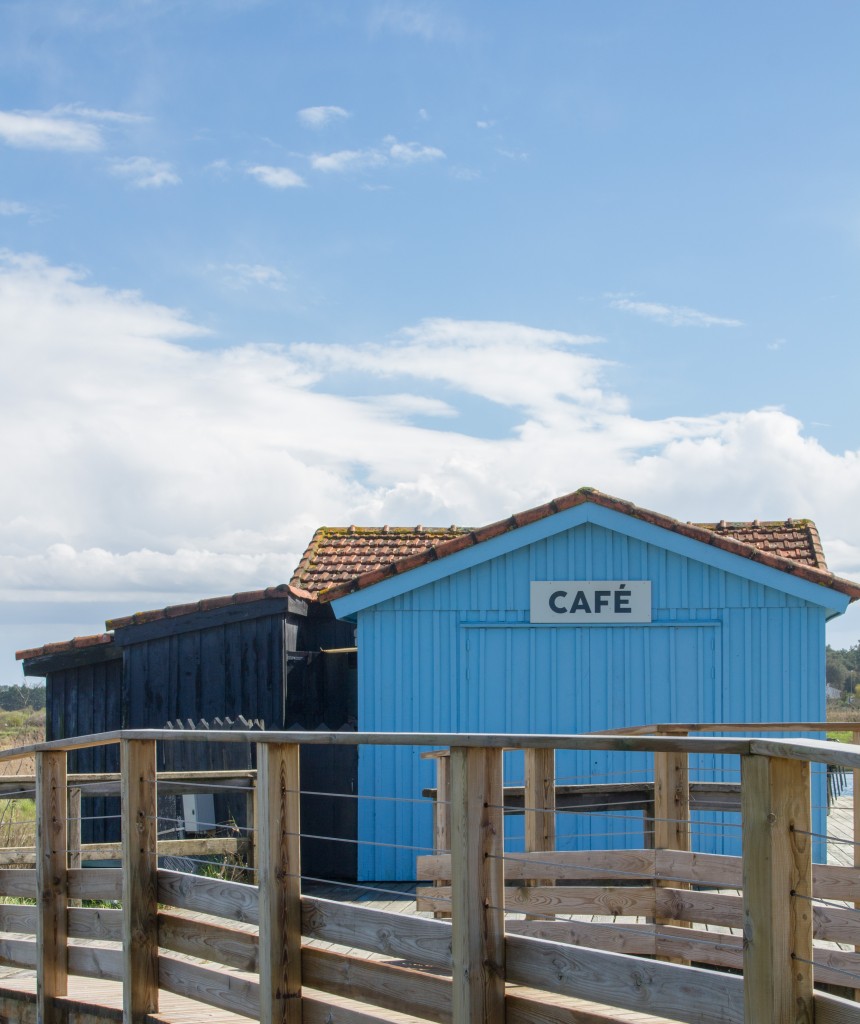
x,y
139,880
51,885
73,832
279,879
777,880
442,815
477,886
671,817
539,803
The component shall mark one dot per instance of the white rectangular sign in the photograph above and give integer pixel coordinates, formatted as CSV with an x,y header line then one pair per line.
x,y
586,603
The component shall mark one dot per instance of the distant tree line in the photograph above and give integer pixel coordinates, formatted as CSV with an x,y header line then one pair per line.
x,y
843,669
16,698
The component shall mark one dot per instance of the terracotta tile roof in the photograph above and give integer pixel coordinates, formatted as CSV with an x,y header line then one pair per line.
x,y
209,604
334,566
65,646
339,553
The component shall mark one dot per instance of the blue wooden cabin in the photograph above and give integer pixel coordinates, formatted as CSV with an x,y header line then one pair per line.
x,y
726,624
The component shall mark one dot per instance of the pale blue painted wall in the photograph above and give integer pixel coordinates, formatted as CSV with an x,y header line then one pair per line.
x,y
457,653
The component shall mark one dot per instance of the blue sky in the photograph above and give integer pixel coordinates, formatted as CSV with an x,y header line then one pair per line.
x,y
267,266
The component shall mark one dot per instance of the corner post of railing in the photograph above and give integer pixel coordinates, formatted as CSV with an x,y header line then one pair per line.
x,y
671,817
74,832
777,889
477,886
442,814
539,801
51,884
279,879
139,879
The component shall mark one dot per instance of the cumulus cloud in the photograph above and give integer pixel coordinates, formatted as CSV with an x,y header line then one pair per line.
x,y
245,275
319,117
144,172
149,463
10,208
392,151
674,316
347,160
276,177
25,130
413,152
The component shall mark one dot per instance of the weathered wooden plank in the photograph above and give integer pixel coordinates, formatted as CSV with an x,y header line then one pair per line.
x,y
573,865
95,884
717,870
214,988
671,812
139,880
539,795
227,946
689,994
25,856
95,923
833,1010
93,962
631,901
51,884
777,883
18,919
279,873
416,939
633,939
477,886
18,883
18,953
371,981
527,1006
218,897
318,1010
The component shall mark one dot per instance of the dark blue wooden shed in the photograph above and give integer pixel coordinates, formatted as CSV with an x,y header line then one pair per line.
x,y
584,614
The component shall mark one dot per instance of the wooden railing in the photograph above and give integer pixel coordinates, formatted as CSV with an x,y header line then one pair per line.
x,y
256,949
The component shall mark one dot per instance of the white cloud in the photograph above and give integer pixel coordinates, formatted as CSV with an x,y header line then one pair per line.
x,y
412,152
277,177
776,344
674,316
347,160
144,172
10,208
243,275
485,124
414,19
177,469
96,114
319,117
25,130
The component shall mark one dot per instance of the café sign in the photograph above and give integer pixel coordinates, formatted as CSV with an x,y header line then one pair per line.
x,y
587,603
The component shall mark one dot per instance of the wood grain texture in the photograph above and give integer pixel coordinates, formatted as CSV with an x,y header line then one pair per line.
x,y
235,901
777,877
833,1010
229,947
211,987
384,985
539,796
477,886
688,994
139,880
279,879
416,939
51,883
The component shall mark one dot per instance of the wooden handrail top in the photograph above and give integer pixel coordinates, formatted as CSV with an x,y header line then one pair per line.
x,y
845,754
